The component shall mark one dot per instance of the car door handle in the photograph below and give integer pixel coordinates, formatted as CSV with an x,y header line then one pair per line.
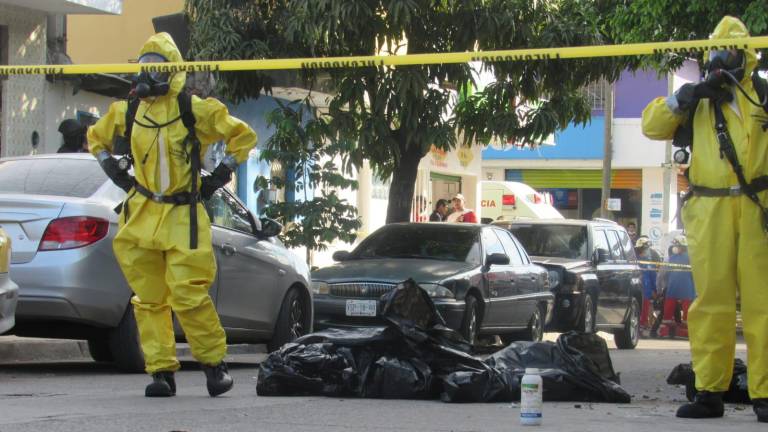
x,y
228,250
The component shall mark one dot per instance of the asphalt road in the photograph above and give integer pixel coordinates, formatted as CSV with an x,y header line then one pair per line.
x,y
85,396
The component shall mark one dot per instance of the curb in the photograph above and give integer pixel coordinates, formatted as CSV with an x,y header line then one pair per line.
x,y
17,349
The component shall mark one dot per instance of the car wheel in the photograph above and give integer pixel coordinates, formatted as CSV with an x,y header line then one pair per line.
x,y
470,325
124,344
588,315
99,349
628,337
292,320
534,332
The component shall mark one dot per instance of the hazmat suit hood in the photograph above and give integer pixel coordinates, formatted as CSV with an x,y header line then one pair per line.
x,y
163,44
732,28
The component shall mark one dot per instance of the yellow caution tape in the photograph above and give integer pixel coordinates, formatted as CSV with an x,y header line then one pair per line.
x,y
684,47
669,266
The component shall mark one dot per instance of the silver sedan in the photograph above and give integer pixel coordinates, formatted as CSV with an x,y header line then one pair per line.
x,y
58,209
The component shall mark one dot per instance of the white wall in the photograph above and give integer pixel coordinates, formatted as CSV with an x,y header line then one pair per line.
x,y
62,104
653,204
631,149
23,99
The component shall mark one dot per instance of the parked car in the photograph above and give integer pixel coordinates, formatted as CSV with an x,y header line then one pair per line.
x,y
479,277
9,292
593,273
59,211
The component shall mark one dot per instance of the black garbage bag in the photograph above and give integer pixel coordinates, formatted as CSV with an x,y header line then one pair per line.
x,y
416,356
738,392
568,373
392,378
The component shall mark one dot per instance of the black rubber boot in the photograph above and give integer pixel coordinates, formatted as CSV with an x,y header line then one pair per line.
x,y
705,405
218,379
163,385
761,409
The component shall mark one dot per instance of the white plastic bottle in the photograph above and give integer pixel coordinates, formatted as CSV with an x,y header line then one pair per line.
x,y
531,392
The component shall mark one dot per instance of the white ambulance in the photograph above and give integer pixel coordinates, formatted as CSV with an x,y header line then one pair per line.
x,y
509,200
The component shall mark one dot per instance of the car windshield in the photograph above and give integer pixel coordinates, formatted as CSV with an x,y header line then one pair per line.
x,y
421,242
79,178
560,241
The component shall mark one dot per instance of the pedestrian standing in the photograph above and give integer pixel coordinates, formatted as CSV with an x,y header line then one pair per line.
x,y
725,217
650,260
679,291
440,212
163,243
73,137
461,213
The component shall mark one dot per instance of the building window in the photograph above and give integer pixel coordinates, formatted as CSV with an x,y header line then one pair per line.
x,y
596,93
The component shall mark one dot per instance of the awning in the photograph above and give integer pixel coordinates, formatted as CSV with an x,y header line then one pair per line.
x,y
104,84
444,177
575,179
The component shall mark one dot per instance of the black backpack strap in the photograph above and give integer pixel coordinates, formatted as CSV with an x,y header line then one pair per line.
x,y
130,116
193,155
728,151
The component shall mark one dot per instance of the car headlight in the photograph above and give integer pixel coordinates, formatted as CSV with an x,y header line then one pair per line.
x,y
554,279
437,291
319,287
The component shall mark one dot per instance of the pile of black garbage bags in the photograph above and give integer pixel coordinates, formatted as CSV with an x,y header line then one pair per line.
x,y
417,357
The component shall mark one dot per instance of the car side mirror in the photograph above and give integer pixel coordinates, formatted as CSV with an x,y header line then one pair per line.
x,y
496,259
340,256
600,256
270,227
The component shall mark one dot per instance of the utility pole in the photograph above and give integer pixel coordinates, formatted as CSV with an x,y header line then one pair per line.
x,y
607,151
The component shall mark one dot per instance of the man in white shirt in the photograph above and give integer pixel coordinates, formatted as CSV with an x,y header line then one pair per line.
x,y
460,213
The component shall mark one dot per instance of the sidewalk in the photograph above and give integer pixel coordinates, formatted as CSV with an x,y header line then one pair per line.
x,y
15,349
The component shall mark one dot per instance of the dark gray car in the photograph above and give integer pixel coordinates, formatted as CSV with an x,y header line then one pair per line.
x,y
593,273
58,209
479,277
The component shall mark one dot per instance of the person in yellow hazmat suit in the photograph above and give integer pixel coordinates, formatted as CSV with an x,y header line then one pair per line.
x,y
725,218
163,243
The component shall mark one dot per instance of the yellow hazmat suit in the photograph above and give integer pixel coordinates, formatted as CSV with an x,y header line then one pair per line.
x,y
727,245
153,241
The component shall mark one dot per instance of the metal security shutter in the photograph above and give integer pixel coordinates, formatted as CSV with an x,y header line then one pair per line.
x,y
577,179
627,179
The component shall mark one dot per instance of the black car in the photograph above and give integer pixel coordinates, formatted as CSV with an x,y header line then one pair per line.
x,y
479,277
593,273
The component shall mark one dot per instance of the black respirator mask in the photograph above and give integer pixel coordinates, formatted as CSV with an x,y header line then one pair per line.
x,y
722,62
152,83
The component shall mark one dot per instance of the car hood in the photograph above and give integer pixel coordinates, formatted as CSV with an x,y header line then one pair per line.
x,y
391,270
567,263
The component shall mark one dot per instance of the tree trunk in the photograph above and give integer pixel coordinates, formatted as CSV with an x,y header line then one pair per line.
x,y
403,183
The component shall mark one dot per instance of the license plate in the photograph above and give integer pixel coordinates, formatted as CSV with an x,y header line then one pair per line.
x,y
366,308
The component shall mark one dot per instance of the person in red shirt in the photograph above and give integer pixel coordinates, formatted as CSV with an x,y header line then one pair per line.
x,y
461,213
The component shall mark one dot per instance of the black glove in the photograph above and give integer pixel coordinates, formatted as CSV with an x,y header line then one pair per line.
x,y
689,94
218,179
119,177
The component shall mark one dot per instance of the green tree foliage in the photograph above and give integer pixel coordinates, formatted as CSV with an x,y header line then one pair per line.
x,y
298,142
666,20
393,115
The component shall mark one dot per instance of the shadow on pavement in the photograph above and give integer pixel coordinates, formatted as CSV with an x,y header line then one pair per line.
x,y
96,368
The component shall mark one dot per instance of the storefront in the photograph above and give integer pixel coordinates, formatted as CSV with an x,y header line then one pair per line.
x,y
576,193
442,175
